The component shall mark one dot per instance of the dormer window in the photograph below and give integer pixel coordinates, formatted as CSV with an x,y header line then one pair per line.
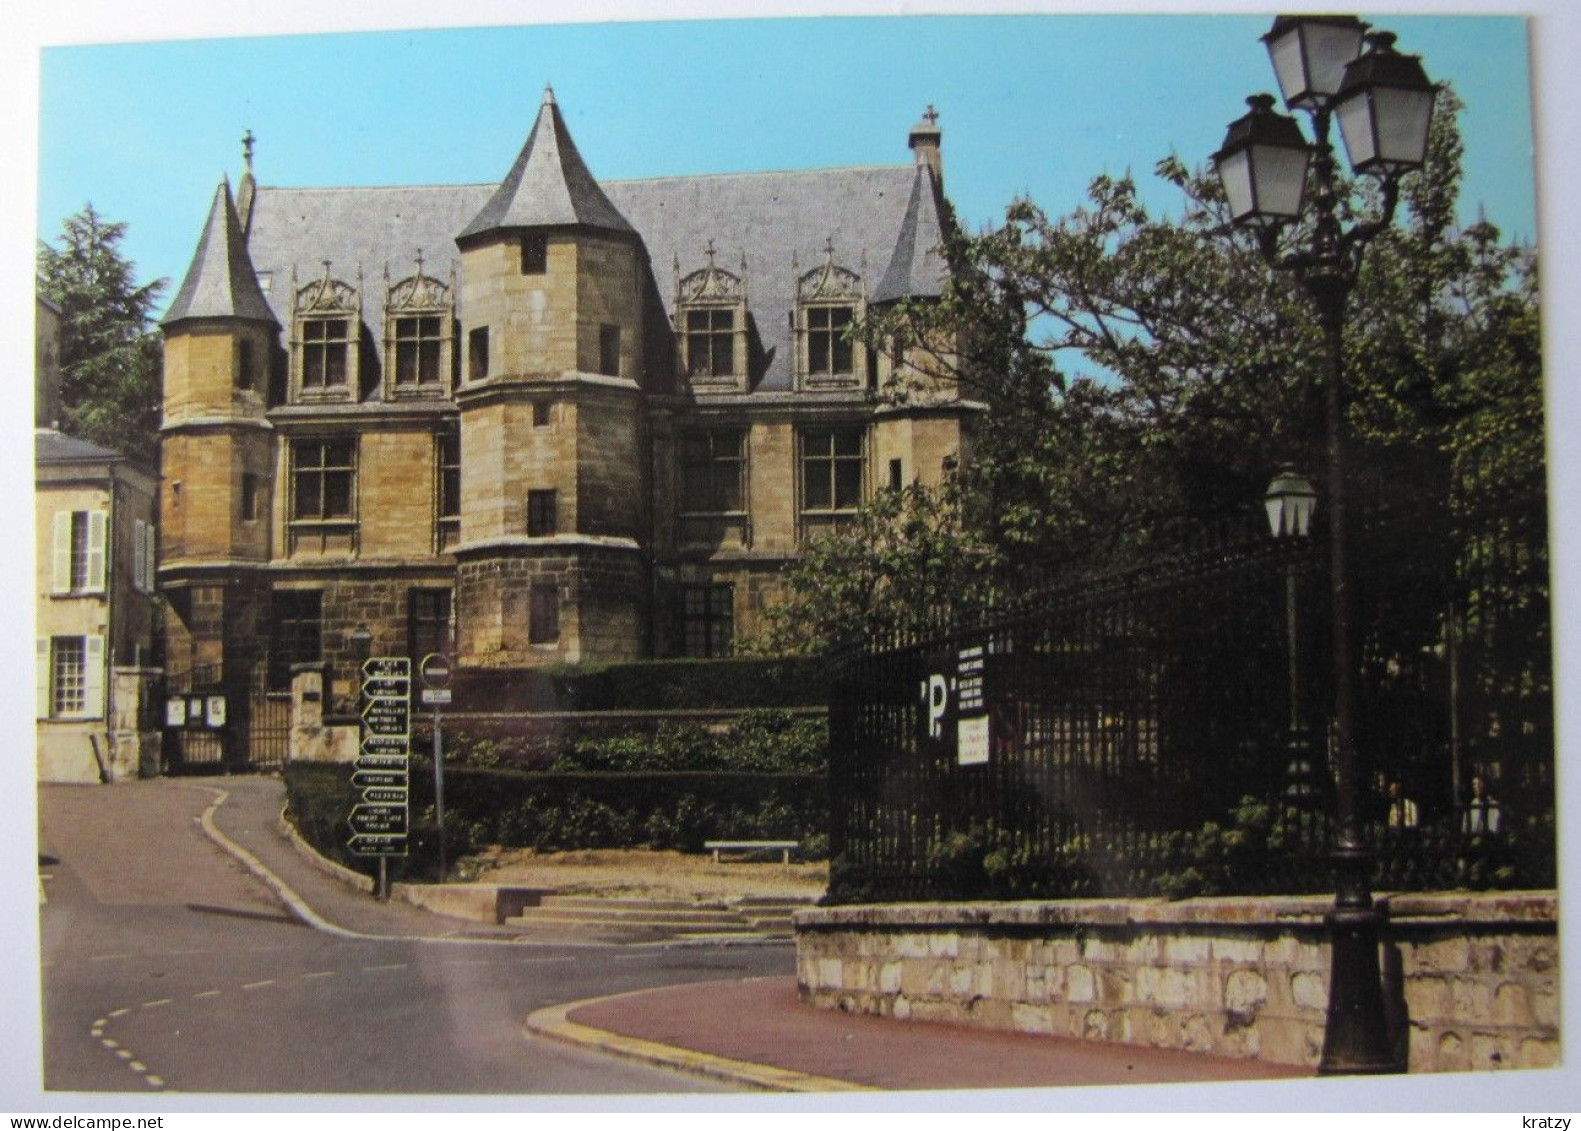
x,y
325,344
711,327
326,320
830,300
418,318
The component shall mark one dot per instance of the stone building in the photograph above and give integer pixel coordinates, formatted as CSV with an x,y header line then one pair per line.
x,y
94,610
541,421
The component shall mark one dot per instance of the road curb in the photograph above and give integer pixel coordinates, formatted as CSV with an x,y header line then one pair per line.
x,y
553,1023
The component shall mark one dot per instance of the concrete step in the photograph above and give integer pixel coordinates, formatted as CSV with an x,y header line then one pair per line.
x,y
646,928
602,903
633,916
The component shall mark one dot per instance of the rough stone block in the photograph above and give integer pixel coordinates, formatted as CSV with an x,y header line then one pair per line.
x,y
1245,991
1512,1005
1080,986
1428,999
1537,1052
1238,950
831,974
1095,1025
889,977
1487,1051
1309,991
1027,1018
1188,950
1453,1054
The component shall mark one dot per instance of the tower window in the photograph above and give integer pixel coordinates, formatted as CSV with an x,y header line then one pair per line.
x,y
543,613
541,513
609,350
249,496
535,254
478,354
245,364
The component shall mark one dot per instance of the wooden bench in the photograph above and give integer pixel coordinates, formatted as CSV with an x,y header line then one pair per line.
x,y
783,847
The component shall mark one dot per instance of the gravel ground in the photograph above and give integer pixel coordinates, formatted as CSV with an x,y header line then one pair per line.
x,y
647,874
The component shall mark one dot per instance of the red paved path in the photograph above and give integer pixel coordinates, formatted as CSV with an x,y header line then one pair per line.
x,y
762,1021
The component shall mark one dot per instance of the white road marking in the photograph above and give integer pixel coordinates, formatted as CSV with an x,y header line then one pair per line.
x,y
156,1002
120,1012
155,1081
108,1043
137,1066
258,985
124,1054
320,974
391,966
208,993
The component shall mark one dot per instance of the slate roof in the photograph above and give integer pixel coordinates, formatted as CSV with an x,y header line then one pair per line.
x,y
220,283
50,446
916,269
779,223
549,185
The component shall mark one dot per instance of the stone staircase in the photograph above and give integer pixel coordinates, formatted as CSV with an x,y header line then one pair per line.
x,y
653,919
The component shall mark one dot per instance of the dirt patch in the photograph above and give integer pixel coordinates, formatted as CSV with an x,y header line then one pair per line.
x,y
647,874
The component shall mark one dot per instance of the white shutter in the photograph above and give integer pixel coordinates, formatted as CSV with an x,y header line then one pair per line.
x,y
42,675
62,563
98,523
151,547
93,677
140,555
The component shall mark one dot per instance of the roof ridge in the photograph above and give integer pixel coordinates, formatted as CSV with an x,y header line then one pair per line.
x,y
821,170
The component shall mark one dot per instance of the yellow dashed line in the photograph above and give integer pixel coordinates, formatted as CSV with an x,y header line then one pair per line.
x,y
207,993
108,1043
258,985
120,1013
320,974
156,1081
156,1003
137,1066
124,1054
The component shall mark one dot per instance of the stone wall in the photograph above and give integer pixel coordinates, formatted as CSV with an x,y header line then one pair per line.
x,y
1471,980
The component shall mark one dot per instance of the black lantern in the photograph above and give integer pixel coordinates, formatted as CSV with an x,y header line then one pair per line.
x,y
1263,165
361,643
1385,106
1290,500
1310,54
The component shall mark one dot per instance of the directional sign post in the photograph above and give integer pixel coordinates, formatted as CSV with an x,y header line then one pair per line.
x,y
380,820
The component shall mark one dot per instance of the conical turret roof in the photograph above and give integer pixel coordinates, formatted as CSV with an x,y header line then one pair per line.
x,y
221,282
548,186
917,268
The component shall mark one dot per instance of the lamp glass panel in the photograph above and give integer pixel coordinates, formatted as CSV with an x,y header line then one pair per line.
x,y
1355,126
1403,119
1235,171
1280,177
1285,53
1276,515
1329,50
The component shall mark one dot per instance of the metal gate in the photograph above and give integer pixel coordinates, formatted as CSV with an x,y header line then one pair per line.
x,y
214,725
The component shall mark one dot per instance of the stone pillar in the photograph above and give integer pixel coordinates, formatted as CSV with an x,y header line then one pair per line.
x,y
313,739
134,737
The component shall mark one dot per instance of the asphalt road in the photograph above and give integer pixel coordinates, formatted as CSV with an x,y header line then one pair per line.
x,y
169,967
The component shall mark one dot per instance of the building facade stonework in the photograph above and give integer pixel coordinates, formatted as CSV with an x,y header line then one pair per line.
x,y
542,421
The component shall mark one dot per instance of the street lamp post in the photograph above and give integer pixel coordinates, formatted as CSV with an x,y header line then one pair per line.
x,y
1290,500
1384,103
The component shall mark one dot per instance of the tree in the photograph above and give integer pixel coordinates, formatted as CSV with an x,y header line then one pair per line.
x,y
907,557
1148,373
1146,376
110,359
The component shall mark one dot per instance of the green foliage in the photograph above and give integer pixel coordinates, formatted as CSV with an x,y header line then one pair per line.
x,y
908,555
1149,372
675,685
556,811
110,359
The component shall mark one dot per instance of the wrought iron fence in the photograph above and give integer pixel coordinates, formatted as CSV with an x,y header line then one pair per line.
x,y
1164,730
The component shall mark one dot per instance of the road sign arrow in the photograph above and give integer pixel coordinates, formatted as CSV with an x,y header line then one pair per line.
x,y
365,778
385,795
387,666
388,744
378,819
382,760
377,844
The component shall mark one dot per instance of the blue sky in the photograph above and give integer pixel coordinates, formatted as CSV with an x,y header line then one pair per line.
x,y
1034,104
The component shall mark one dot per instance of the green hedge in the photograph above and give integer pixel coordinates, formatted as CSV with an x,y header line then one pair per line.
x,y
684,685
548,811
759,741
